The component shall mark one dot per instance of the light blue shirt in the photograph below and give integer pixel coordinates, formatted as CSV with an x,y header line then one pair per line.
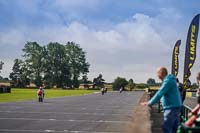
x,y
169,93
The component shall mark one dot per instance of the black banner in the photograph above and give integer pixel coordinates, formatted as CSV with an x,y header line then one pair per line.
x,y
190,51
175,59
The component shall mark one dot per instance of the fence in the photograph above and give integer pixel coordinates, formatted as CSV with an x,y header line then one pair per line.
x,y
184,116
151,93
184,113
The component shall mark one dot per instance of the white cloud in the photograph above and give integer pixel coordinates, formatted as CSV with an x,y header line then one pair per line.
x,y
16,36
7,67
131,48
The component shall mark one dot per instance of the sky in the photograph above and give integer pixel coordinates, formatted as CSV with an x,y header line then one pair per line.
x,y
129,38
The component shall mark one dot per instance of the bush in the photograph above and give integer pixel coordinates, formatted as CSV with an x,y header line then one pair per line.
x,y
142,86
97,88
119,82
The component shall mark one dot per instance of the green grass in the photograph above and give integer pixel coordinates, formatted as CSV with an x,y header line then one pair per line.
x,y
30,94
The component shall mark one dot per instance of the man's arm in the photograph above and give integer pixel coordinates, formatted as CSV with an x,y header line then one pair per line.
x,y
163,89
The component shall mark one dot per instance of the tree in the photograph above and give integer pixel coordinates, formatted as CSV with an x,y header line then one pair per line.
x,y
1,65
52,65
194,86
99,81
119,82
1,78
6,79
57,69
19,76
142,86
77,62
151,81
131,84
84,80
34,61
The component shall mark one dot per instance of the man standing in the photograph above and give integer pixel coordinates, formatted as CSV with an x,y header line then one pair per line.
x,y
171,100
198,89
102,90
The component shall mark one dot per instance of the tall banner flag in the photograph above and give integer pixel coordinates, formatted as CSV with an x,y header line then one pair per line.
x,y
190,51
175,59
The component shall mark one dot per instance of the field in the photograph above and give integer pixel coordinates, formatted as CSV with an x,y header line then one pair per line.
x,y
30,94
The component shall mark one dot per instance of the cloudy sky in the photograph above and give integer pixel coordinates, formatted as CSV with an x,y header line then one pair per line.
x,y
128,38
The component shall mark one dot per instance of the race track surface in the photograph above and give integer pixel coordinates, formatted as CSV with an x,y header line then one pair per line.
x,y
110,113
191,102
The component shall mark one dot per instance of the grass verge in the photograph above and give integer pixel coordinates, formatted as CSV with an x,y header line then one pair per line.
x,y
19,94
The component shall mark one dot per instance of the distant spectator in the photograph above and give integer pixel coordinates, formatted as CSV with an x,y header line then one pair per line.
x,y
181,90
121,89
102,90
106,89
40,94
198,89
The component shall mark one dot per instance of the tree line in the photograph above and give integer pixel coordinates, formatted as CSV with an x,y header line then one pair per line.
x,y
54,64
121,82
60,65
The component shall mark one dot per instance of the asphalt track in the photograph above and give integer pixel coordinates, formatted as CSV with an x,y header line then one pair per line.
x,y
191,102
110,113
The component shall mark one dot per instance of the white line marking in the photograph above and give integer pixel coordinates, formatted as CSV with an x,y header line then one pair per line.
x,y
76,108
96,114
52,119
98,121
55,131
49,130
